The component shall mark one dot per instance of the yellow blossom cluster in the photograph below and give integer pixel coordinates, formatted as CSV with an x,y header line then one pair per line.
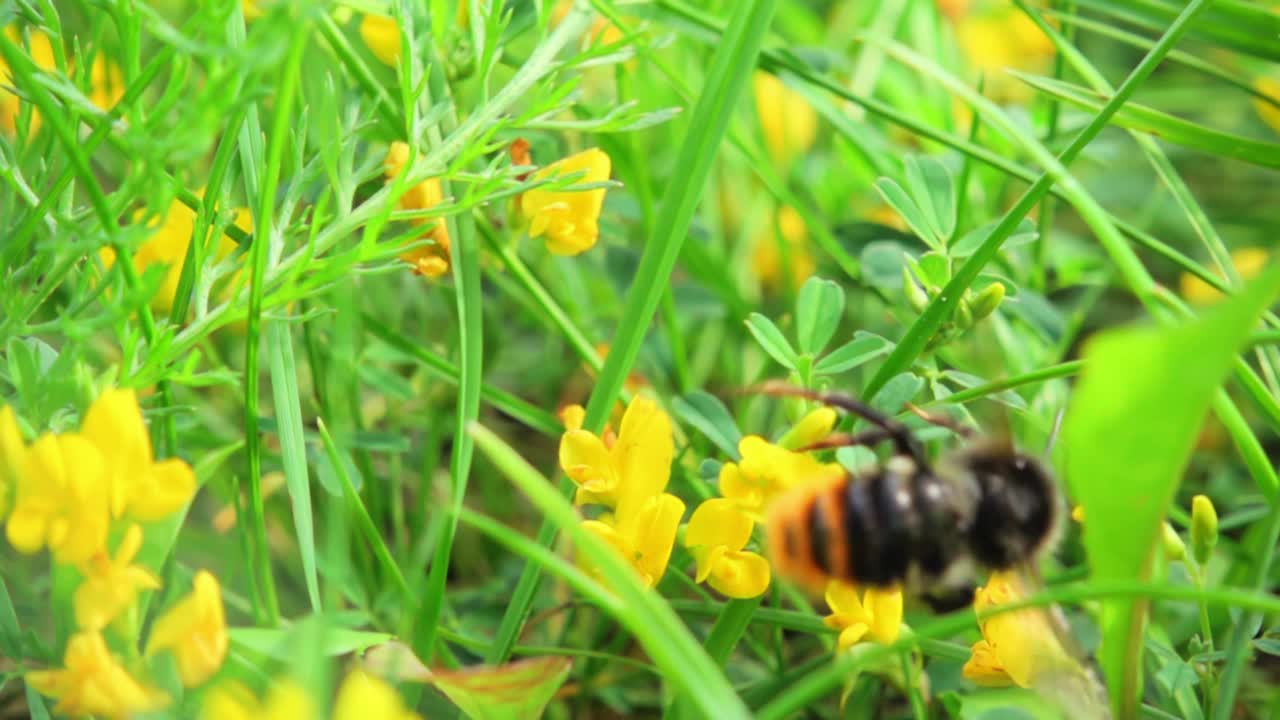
x,y
627,474
71,493
106,84
361,696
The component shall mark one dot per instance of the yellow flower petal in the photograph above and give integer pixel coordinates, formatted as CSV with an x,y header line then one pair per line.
x,y
166,488
61,500
589,463
382,36
850,636
813,427
740,574
983,667
789,122
111,585
718,521
12,451
195,630
94,683
364,696
114,424
1023,641
655,535
569,219
1269,113
885,608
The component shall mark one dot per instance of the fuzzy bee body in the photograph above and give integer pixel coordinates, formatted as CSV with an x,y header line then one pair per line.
x,y
906,523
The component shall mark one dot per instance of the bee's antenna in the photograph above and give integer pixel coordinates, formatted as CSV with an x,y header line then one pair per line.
x,y
897,432
944,421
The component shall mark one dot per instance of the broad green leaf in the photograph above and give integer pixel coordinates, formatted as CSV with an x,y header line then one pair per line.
x,y
818,311
932,269
897,393
882,262
916,219
969,243
1164,126
934,193
863,347
709,415
279,643
772,340
1129,432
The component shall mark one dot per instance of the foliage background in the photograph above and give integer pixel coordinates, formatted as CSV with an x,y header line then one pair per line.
x,y
365,373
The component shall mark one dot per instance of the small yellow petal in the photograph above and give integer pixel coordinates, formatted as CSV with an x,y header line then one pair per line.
x,y
983,667
851,635
740,575
381,35
718,521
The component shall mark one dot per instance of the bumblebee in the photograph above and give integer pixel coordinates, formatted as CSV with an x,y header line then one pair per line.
x,y
908,523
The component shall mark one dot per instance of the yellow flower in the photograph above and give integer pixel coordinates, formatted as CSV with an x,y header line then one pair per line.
x,y
789,123
250,9
111,584
168,247
812,428
716,534
382,35
94,683
766,471
643,534
569,219
364,696
195,630
637,465
12,450
877,615
106,84
1018,647
61,500
140,486
430,260
766,258
1001,38
232,701
1269,113
41,52
1247,261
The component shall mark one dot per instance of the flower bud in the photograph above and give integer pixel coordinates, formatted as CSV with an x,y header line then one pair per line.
x,y
1174,549
964,314
987,301
1204,528
916,296
812,427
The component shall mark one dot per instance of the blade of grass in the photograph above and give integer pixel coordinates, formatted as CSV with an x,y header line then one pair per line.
x,y
730,68
684,662
732,621
293,449
260,252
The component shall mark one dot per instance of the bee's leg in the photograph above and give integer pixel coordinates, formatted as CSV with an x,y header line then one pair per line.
x,y
951,424
897,432
949,599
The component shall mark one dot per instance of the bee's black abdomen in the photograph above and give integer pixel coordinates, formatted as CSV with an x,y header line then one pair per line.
x,y
894,491
943,536
820,545
862,528
1015,514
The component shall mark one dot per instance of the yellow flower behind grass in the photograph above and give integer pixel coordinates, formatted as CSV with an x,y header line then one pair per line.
x,y
366,696
41,52
1247,261
111,584
789,122
361,697
1267,111
717,534
787,230
1002,37
1017,648
106,84
569,219
876,615
12,451
195,631
93,682
381,34
629,475
429,260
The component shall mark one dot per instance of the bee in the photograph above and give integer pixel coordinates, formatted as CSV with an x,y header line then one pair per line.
x,y
908,523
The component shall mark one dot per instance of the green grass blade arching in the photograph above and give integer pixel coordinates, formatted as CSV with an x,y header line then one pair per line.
x,y
1137,399
684,662
731,66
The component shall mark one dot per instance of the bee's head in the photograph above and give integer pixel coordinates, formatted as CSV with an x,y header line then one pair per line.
x,y
1017,512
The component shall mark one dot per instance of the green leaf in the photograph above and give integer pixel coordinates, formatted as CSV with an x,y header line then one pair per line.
x,y
918,220
279,643
1167,127
10,631
515,691
898,392
705,412
882,262
293,449
934,193
819,308
1129,432
772,340
862,348
1024,234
